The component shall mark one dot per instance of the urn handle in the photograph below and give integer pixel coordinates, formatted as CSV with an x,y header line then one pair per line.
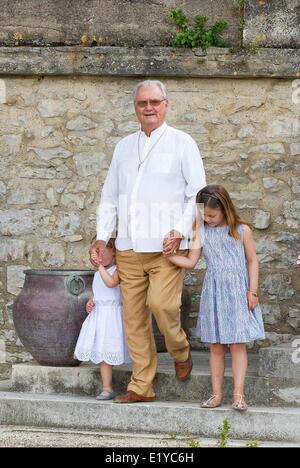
x,y
75,285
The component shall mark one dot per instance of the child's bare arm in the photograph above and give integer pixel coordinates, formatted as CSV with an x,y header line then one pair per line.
x,y
110,280
253,268
194,254
186,262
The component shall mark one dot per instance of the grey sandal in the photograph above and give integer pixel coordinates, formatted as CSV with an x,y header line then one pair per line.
x,y
106,395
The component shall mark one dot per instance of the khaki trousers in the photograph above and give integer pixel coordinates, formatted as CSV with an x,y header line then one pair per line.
x,y
149,282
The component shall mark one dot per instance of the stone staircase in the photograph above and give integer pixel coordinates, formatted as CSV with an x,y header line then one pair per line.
x,y
64,398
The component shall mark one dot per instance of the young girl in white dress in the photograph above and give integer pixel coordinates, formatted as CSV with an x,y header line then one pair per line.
x,y
101,339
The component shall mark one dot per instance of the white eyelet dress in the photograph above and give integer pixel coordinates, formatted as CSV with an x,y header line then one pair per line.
x,y
102,333
224,316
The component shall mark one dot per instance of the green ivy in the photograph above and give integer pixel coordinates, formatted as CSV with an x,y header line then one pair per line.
x,y
198,35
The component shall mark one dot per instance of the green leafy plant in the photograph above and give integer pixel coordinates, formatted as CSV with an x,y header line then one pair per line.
x,y
197,35
190,439
241,7
14,40
251,444
194,443
224,433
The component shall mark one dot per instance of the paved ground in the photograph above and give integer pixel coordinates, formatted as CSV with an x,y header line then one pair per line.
x,y
14,436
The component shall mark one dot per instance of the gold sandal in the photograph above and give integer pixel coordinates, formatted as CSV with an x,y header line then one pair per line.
x,y
240,404
210,402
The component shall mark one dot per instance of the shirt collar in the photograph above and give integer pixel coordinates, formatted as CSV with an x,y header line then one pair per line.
x,y
157,132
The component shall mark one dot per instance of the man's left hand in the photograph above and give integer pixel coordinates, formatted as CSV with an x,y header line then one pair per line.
x,y
172,242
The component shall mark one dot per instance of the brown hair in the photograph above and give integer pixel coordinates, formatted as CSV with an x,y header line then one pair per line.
x,y
217,198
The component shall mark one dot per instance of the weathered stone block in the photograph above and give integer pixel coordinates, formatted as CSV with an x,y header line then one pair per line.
x,y
291,212
46,154
51,108
15,278
262,219
295,184
268,148
294,318
278,285
12,144
246,131
295,149
52,196
280,361
71,200
2,188
90,163
2,92
269,251
272,185
67,224
52,255
271,313
81,123
287,128
25,196
11,249
19,222
272,24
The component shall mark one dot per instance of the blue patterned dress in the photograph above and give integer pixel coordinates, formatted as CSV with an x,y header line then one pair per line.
x,y
224,316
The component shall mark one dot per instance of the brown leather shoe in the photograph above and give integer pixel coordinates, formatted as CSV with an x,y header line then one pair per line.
x,y
132,397
183,369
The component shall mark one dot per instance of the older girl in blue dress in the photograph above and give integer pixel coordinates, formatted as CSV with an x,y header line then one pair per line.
x,y
229,315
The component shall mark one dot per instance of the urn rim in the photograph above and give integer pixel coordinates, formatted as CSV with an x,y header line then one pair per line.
x,y
58,272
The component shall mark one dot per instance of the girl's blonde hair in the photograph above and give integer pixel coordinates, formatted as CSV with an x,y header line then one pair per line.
x,y
216,197
110,244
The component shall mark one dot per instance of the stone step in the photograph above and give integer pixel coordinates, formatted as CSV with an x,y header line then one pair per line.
x,y
85,380
85,413
28,436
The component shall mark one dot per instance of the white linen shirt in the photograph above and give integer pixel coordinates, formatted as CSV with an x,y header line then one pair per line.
x,y
143,205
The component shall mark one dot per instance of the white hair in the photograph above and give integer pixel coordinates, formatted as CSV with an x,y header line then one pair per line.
x,y
157,83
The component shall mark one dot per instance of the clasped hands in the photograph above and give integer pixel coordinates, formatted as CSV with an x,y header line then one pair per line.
x,y
171,242
170,245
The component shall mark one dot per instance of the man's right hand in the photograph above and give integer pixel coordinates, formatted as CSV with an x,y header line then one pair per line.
x,y
96,252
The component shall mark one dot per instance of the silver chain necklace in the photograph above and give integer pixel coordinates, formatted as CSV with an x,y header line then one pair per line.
x,y
141,161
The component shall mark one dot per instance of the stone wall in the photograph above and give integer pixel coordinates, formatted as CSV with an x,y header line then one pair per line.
x,y
136,23
272,23
57,136
132,23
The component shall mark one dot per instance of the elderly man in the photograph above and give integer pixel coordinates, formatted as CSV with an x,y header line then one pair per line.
x,y
148,199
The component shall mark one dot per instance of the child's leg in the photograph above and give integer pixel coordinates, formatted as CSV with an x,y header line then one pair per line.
x,y
217,368
106,375
239,369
